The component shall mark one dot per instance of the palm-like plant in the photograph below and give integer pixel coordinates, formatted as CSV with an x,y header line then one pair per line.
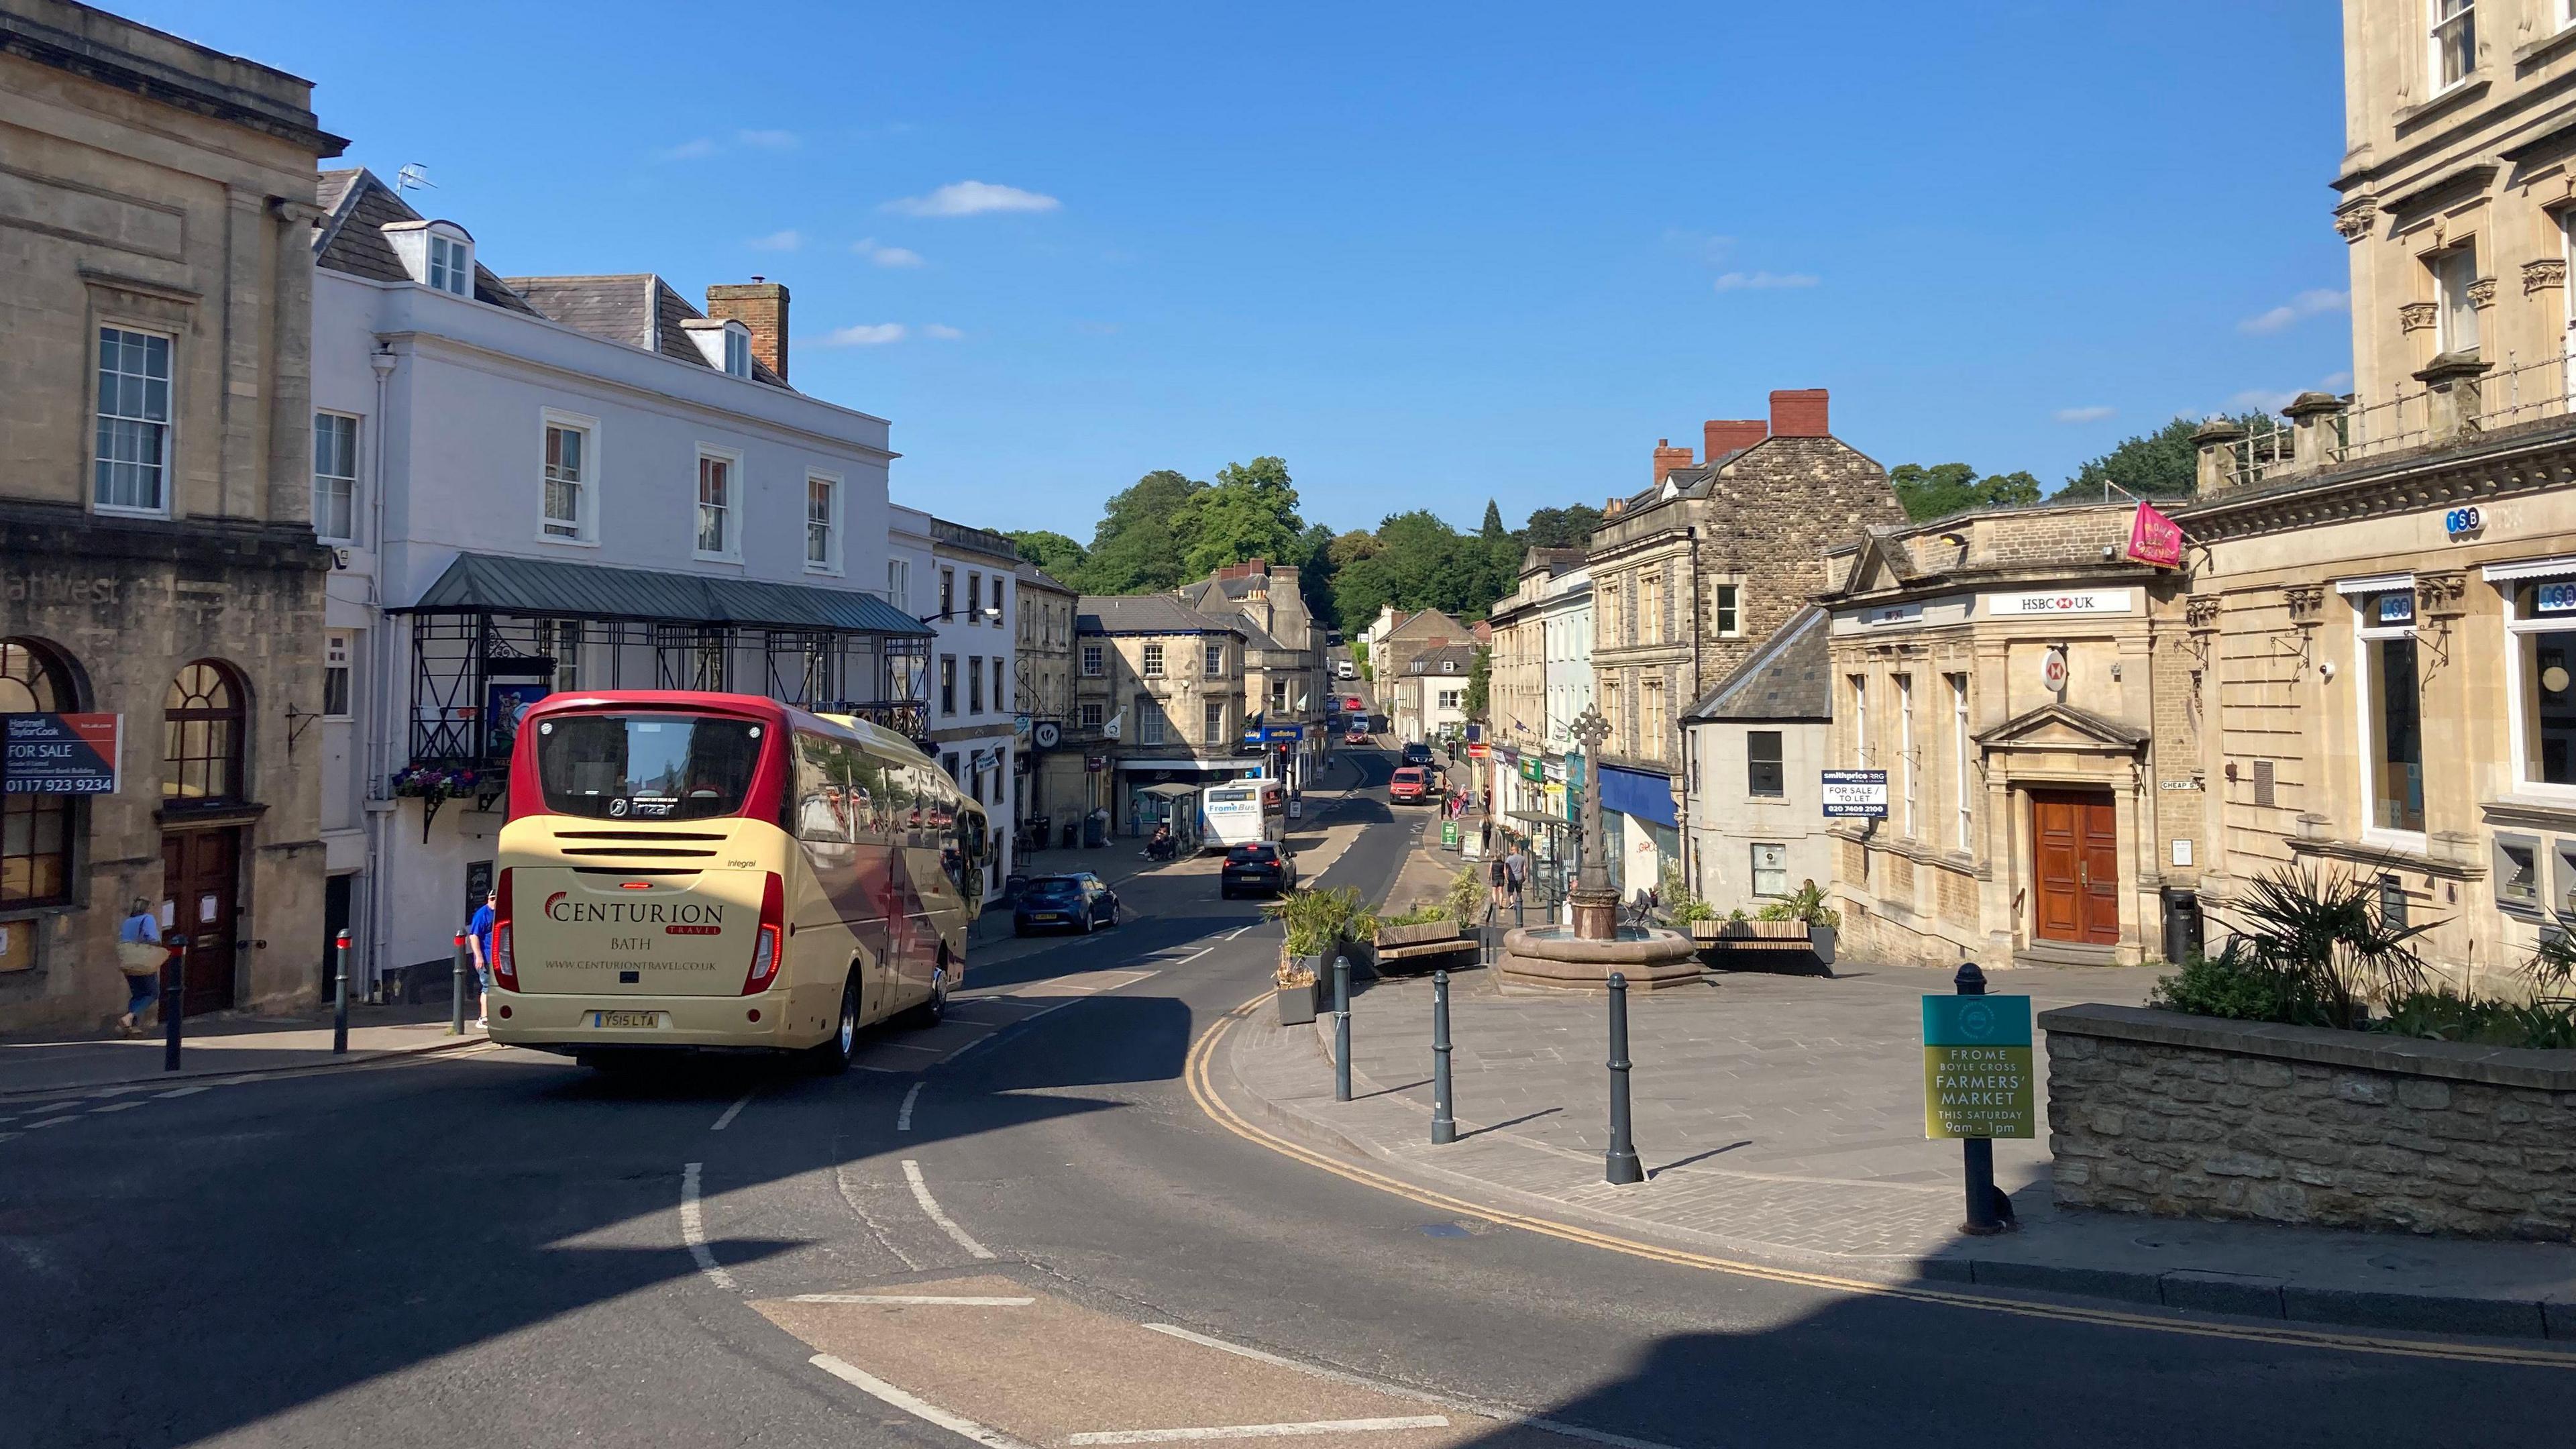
x,y
2326,939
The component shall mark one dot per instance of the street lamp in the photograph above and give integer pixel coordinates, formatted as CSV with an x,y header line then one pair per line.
x,y
990,613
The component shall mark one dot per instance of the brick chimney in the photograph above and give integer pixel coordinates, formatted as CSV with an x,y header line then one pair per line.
x,y
1799,413
1724,436
760,305
1668,457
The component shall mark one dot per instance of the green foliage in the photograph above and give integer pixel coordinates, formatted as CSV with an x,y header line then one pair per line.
x,y
1680,906
1806,903
1053,552
1466,900
2324,944
1480,682
1316,920
1249,512
2225,987
1567,527
1946,488
2161,464
1138,547
1359,657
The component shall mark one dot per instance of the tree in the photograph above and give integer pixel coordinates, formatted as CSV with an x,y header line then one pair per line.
x,y
1053,552
1946,488
1138,547
1360,589
1359,657
1568,527
1480,681
1250,512
1502,555
2161,464
1315,569
1349,548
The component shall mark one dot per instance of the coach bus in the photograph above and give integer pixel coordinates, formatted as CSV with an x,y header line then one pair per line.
x,y
724,872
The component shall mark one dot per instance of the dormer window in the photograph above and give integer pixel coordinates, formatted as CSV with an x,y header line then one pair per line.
x,y
437,254
723,342
449,271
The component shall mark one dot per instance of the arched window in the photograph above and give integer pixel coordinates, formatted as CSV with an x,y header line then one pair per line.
x,y
35,830
201,751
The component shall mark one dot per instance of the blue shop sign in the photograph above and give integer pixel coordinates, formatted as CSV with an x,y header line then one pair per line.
x,y
2554,598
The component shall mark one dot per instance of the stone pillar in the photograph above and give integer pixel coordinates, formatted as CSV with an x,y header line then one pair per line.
x,y
2216,441
2451,401
2316,433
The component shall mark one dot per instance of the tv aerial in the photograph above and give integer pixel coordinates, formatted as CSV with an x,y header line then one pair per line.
x,y
413,174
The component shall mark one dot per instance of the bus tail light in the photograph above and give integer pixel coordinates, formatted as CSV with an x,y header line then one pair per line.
x,y
764,947
505,966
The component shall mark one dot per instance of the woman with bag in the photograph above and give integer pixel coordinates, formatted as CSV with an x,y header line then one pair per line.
x,y
139,956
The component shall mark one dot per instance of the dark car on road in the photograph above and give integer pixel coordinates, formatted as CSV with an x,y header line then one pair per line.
x,y
1261,867
1417,753
1080,901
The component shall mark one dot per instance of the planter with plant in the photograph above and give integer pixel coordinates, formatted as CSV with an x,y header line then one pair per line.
x,y
1316,923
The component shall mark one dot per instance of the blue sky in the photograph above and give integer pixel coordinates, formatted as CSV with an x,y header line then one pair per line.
x,y
1429,254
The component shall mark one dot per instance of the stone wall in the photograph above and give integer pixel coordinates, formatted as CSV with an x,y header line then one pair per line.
x,y
2183,1116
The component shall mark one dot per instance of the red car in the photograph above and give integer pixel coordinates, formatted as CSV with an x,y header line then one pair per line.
x,y
1409,787
1358,735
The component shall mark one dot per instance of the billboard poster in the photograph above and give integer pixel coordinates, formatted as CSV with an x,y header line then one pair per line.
x,y
505,703
1855,794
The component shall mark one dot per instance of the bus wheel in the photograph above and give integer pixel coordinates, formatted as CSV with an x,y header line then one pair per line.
x,y
932,1011
833,1056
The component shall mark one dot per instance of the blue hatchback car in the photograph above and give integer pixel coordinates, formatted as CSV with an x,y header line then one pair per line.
x,y
1079,901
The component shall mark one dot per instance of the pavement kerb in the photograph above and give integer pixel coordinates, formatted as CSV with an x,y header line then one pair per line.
x,y
353,1059
2174,1289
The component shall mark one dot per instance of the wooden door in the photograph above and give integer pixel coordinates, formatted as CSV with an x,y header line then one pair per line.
x,y
2077,860
201,884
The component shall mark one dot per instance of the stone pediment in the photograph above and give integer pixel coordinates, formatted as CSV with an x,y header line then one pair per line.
x,y
1878,568
2064,727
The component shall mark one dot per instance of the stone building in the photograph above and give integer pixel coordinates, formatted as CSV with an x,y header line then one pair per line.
x,y
1286,691
1755,748
1690,577
1430,698
2029,694
1162,684
1053,785
1398,635
157,558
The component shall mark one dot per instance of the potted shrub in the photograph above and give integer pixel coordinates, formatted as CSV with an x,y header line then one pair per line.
x,y
1807,906
1314,923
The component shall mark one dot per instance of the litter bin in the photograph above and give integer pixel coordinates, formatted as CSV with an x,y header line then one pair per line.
x,y
2182,924
1095,830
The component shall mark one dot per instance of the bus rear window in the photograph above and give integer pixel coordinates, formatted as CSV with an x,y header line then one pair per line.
x,y
646,766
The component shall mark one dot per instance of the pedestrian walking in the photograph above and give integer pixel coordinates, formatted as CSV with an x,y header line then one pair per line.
x,y
1517,865
1485,835
478,939
140,957
1498,883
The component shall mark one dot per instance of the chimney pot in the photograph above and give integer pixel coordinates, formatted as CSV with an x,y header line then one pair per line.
x,y
1667,458
1723,436
761,306
1799,413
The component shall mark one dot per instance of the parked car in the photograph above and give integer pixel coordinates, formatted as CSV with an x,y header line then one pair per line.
x,y
1080,901
1353,704
1261,866
1410,786
1348,670
1417,753
1357,735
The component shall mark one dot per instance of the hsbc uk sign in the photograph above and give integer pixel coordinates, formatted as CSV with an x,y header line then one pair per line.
x,y
2060,602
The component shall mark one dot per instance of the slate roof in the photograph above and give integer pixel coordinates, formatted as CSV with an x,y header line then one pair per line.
x,y
350,238
502,583
636,309
1254,636
1146,614
1430,660
1788,678
1429,620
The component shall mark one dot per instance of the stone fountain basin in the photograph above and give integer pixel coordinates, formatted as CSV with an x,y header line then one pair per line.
x,y
1553,957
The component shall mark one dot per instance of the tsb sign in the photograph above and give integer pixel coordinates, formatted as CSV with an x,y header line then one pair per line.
x,y
2461,522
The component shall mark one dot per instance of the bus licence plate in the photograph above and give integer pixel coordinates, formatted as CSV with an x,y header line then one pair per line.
x,y
630,1018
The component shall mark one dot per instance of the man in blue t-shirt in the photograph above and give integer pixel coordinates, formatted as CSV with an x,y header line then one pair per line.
x,y
478,939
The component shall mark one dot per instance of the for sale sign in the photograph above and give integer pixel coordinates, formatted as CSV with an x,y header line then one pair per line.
x,y
1855,794
60,754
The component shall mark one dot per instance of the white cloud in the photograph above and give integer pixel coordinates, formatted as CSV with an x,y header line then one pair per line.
x,y
941,330
865,334
972,198
2083,415
2334,382
2262,400
777,241
1758,281
767,140
2311,303
689,150
886,256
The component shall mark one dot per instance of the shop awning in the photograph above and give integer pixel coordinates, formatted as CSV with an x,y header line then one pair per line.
x,y
1635,792
1204,767
1537,818
502,584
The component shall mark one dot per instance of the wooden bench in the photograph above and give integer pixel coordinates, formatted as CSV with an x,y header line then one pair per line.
x,y
1752,935
1433,938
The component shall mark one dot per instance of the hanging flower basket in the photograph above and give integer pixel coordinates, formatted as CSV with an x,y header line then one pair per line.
x,y
433,786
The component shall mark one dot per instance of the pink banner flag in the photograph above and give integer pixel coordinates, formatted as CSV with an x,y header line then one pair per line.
x,y
2155,539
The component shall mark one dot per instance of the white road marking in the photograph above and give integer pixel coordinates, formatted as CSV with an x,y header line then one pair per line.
x,y
732,1112
1261,1431
1504,1412
693,1230
116,1107
903,1118
5,1136
1194,955
930,1209
922,1409
177,1092
48,1122
1239,930
841,1180
949,1300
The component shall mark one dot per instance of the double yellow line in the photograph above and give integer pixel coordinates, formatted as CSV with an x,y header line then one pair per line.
x,y
1202,1090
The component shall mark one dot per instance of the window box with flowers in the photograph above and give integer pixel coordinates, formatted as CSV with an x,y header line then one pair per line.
x,y
435,785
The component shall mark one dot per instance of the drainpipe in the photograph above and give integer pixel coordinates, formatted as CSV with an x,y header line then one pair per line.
x,y
378,806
